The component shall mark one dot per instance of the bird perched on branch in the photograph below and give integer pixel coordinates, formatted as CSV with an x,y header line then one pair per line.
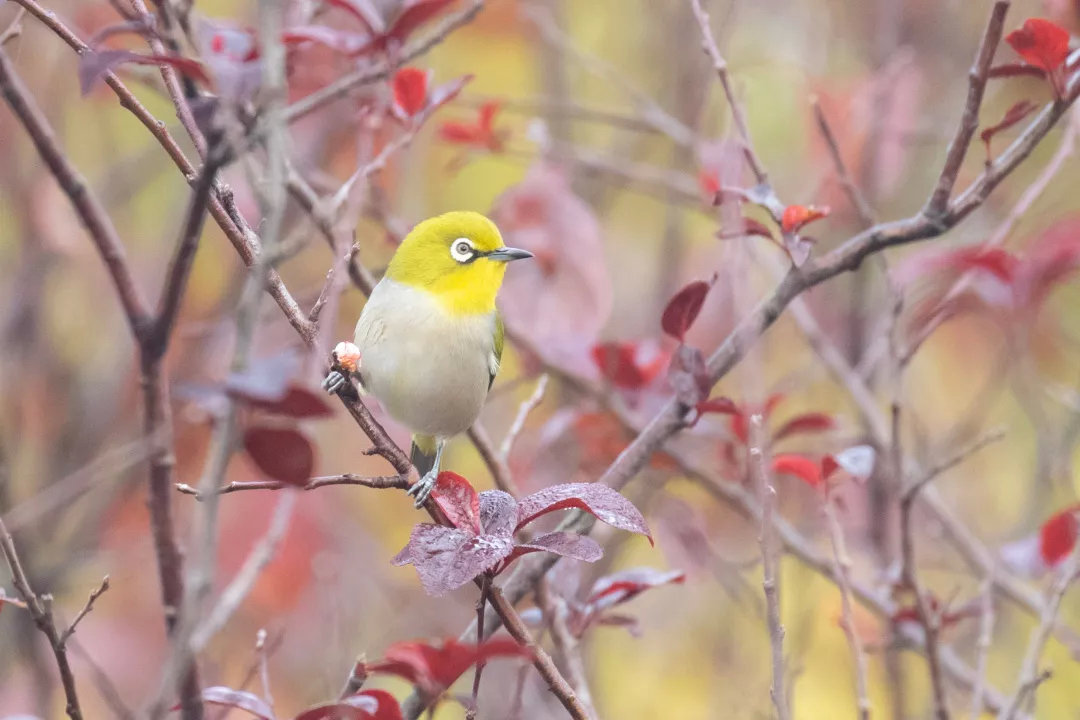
x,y
430,338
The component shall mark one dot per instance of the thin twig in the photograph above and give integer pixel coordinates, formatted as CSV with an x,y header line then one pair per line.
x,y
982,647
1029,675
842,570
14,28
955,458
855,196
769,562
94,595
40,609
496,465
708,44
481,604
382,482
530,404
556,614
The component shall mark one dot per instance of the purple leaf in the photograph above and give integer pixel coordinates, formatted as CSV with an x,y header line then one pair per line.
x,y
447,558
571,545
619,587
239,699
682,310
600,501
688,376
285,454
94,65
498,513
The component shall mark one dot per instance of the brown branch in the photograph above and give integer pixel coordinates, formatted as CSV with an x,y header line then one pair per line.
x,y
541,660
524,410
94,595
40,609
842,571
969,121
708,44
495,463
854,194
982,647
384,482
769,562
1029,676
481,606
14,28
556,613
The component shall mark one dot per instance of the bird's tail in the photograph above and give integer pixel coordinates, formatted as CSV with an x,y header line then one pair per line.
x,y
422,454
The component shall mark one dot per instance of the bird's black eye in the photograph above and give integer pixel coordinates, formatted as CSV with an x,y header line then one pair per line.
x,y
462,250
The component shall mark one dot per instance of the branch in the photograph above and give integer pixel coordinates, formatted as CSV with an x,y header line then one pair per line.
x,y
855,197
92,214
769,562
495,463
969,120
982,647
94,595
40,609
530,404
1029,675
556,613
842,570
383,482
708,44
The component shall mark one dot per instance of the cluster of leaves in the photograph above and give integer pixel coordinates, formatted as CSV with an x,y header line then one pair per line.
x,y
606,593
430,668
276,401
1044,48
481,535
1005,284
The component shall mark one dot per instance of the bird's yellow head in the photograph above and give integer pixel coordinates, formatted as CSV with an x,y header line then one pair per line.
x,y
459,257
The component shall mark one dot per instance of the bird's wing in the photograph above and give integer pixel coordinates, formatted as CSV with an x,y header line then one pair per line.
x,y
496,349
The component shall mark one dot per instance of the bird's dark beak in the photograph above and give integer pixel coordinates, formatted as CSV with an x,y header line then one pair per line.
x,y
506,254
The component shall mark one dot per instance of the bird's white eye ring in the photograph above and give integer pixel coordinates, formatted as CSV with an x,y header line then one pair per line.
x,y
462,250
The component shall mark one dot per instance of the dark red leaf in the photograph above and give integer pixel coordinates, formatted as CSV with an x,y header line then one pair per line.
x,y
622,586
748,226
795,216
94,65
298,402
1013,115
1016,70
801,467
1057,537
806,423
480,133
1041,43
682,310
623,364
571,545
434,669
284,454
997,261
688,376
605,504
458,500
410,86
239,699
364,705
722,405
447,558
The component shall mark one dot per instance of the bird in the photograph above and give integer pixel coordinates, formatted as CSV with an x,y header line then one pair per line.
x,y
430,338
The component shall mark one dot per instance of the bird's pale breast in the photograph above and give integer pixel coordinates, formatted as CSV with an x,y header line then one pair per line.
x,y
428,368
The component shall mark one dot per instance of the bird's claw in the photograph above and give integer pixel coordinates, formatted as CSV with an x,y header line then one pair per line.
x,y
335,380
421,490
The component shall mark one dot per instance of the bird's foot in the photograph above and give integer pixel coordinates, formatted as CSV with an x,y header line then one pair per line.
x,y
335,380
423,487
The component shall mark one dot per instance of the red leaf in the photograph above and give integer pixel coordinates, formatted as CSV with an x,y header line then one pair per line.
x,y
365,705
795,216
410,87
94,65
801,467
458,500
605,504
622,586
434,669
721,405
480,134
283,454
1041,43
806,423
620,363
748,226
298,402
1013,115
1057,537
682,310
709,182
239,699
571,545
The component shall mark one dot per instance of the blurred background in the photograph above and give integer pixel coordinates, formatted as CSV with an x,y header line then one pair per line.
x,y
609,137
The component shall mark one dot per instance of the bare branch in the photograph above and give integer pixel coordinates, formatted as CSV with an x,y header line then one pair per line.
x,y
530,404
855,196
769,562
496,465
384,482
556,614
94,595
842,570
40,609
969,120
14,28
982,647
957,457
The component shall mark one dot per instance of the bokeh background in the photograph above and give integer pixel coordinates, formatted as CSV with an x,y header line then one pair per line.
x,y
619,218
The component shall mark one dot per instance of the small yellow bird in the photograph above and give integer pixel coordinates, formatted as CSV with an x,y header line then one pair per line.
x,y
430,337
